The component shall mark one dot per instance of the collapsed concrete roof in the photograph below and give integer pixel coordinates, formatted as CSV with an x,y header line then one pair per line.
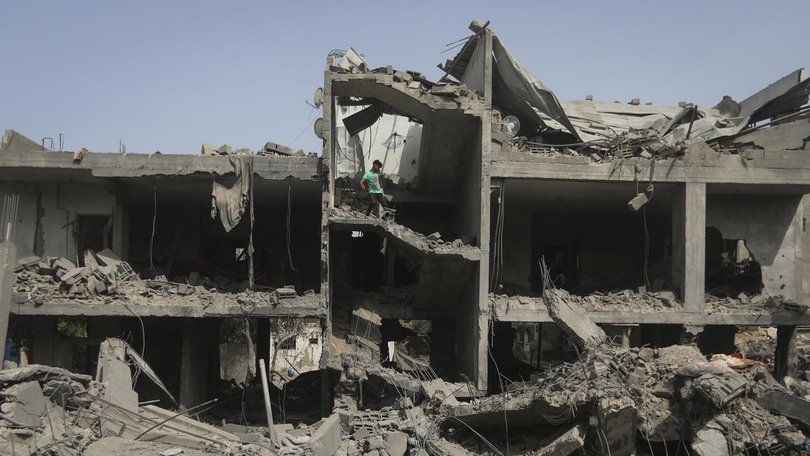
x,y
602,125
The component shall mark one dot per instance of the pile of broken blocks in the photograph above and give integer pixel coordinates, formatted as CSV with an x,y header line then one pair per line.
x,y
105,277
269,148
619,398
51,411
101,274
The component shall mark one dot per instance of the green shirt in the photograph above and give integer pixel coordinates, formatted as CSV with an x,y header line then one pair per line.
x,y
372,182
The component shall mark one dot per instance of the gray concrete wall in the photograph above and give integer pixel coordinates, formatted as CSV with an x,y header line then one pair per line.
x,y
806,248
56,205
772,228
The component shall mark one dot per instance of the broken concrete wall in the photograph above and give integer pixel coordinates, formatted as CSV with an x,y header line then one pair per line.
x,y
47,218
393,139
13,142
771,227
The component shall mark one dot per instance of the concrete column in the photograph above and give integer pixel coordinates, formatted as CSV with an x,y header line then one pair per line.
x,y
481,322
8,261
689,245
200,342
805,242
786,359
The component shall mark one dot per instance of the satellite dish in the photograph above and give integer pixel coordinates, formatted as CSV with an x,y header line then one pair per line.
x,y
317,99
512,125
319,127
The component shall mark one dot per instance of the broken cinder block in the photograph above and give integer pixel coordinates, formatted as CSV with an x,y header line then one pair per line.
x,y
25,403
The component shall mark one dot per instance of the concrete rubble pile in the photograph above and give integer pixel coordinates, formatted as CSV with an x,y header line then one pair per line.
x,y
101,274
431,242
757,304
613,400
415,83
105,278
625,401
50,411
630,401
269,149
624,300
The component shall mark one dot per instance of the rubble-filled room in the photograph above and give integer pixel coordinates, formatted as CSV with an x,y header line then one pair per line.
x,y
598,245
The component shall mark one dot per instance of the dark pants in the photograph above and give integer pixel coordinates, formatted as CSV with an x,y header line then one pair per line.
x,y
376,197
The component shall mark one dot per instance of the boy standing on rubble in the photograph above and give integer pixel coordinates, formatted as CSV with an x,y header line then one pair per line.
x,y
370,183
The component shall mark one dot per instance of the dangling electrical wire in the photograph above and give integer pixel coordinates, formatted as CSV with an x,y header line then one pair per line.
x,y
251,250
154,220
650,191
289,233
497,249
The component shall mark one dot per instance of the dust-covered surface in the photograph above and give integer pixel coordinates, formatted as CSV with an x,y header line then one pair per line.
x,y
431,243
758,304
56,280
618,301
107,446
669,393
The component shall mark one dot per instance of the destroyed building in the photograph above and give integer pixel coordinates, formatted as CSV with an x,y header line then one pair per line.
x,y
526,229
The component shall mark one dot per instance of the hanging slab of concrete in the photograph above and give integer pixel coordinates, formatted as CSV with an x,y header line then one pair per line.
x,y
573,320
759,99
